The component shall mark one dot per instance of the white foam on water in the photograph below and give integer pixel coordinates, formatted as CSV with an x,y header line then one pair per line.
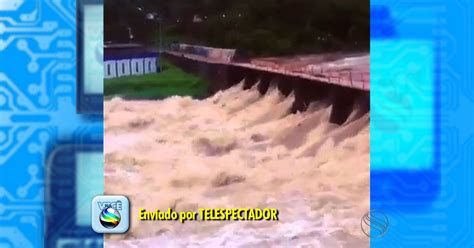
x,y
238,149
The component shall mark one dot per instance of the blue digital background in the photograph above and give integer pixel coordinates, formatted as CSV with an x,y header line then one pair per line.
x,y
422,140
37,109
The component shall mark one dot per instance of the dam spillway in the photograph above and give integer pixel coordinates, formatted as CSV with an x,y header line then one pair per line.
x,y
344,81
265,136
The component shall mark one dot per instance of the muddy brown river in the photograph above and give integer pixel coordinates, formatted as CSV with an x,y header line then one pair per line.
x,y
238,149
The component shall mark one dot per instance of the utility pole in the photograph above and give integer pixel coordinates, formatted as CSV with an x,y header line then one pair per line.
x,y
159,19
155,18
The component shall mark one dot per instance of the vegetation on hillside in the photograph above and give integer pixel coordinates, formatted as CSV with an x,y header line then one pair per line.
x,y
257,27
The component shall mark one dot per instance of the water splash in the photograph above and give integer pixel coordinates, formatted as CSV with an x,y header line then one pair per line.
x,y
239,149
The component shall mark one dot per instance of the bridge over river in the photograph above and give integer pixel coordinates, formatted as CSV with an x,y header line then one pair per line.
x,y
348,70
342,78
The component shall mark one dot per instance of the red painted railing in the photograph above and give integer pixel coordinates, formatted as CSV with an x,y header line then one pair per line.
x,y
347,78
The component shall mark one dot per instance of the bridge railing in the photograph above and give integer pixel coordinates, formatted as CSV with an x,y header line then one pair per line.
x,y
351,77
355,79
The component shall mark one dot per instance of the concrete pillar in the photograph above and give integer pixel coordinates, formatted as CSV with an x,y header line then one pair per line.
x,y
137,66
252,77
235,75
150,65
265,81
286,84
307,91
110,69
123,67
342,103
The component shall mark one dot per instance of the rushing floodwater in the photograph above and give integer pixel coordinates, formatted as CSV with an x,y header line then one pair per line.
x,y
238,149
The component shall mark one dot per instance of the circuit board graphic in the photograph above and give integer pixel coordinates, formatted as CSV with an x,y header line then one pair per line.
x,y
37,109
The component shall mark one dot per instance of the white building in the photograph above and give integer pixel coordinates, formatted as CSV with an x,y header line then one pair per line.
x,y
128,59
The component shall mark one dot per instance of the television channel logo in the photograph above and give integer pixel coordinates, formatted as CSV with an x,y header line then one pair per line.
x,y
110,214
374,224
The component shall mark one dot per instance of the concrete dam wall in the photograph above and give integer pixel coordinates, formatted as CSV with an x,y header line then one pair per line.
x,y
222,76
